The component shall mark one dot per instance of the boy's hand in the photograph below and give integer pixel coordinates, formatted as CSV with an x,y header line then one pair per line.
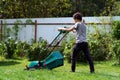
x,y
74,31
60,29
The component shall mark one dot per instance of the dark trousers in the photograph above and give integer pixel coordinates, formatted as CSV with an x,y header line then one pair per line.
x,y
76,50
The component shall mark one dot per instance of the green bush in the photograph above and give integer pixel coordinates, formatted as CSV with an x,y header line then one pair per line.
x,y
10,48
2,49
68,49
115,47
115,51
116,29
38,51
99,45
22,49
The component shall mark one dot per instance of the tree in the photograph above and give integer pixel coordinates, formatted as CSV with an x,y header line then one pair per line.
x,y
36,8
108,7
56,8
116,9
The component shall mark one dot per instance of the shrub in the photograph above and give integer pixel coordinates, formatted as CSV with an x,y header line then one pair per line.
x,y
115,47
99,45
116,29
68,49
10,47
38,51
2,49
22,49
115,51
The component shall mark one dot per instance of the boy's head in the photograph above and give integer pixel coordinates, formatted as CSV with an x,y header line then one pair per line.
x,y
77,17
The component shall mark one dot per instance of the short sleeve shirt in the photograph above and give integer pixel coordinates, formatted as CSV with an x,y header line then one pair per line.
x,y
80,32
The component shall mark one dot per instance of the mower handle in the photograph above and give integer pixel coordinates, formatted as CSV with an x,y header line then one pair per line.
x,y
63,31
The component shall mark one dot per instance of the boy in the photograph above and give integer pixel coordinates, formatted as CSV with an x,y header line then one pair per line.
x,y
81,43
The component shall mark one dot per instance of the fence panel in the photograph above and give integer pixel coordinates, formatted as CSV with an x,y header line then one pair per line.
x,y
47,27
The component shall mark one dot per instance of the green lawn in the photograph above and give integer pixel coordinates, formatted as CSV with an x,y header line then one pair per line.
x,y
13,70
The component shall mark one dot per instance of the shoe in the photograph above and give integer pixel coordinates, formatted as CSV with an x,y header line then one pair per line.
x,y
72,71
92,72
26,68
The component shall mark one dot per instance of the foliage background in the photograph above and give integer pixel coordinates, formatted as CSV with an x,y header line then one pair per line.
x,y
57,8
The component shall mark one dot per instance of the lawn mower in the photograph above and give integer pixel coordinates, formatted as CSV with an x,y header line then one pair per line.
x,y
55,59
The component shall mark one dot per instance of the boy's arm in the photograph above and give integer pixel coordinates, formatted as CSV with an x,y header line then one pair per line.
x,y
67,29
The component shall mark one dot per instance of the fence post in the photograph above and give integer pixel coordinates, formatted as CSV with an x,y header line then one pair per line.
x,y
35,31
1,24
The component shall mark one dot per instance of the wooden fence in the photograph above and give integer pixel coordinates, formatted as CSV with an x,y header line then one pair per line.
x,y
35,25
